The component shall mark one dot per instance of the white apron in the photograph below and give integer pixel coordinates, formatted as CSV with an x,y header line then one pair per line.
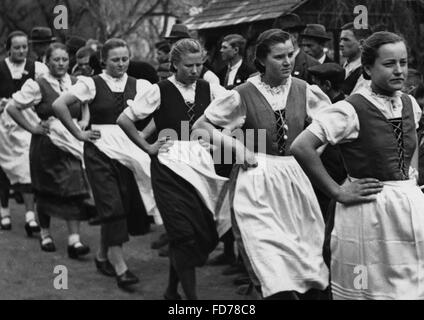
x,y
193,162
64,140
116,145
281,226
14,147
378,248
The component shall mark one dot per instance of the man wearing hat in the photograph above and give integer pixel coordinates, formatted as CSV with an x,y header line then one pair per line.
x,y
313,41
40,39
291,23
178,32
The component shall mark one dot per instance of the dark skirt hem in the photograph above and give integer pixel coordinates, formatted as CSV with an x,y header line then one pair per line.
x,y
188,222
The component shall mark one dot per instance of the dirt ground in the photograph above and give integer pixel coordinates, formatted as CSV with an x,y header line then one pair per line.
x,y
26,272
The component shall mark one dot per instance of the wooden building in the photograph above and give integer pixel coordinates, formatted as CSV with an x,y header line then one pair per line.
x,y
251,17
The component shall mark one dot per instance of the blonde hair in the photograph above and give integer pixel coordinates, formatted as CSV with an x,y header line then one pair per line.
x,y
182,47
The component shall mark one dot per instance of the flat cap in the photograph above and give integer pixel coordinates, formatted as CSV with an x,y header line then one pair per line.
x,y
328,71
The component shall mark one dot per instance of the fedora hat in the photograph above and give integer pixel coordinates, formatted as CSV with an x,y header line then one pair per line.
x,y
316,31
178,31
289,22
41,35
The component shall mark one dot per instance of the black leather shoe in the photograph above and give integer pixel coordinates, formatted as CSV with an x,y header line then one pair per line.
x,y
5,223
76,252
126,279
105,267
49,246
31,229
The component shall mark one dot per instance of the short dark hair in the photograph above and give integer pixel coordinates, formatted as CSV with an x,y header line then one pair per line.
x,y
84,52
360,34
113,44
372,44
236,41
263,45
12,35
54,46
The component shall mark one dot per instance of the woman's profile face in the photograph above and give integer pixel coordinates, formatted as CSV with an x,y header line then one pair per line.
x,y
58,63
390,69
279,61
189,67
117,62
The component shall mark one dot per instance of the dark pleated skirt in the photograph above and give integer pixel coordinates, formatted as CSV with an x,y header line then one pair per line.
x,y
58,180
188,222
118,201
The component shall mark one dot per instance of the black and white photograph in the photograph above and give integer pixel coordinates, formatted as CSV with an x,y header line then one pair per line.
x,y
235,152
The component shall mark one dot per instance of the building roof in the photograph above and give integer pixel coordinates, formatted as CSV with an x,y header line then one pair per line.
x,y
220,13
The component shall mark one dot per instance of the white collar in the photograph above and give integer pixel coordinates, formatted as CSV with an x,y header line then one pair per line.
x,y
322,59
353,64
257,80
237,65
112,79
174,80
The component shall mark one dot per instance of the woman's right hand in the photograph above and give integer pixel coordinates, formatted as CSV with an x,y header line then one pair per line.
x,y
40,129
246,159
89,135
359,191
161,145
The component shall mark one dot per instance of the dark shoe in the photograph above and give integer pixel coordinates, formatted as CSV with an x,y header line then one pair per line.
x,y
164,251
126,279
168,296
31,229
161,242
105,267
5,223
235,268
76,252
221,260
49,246
242,280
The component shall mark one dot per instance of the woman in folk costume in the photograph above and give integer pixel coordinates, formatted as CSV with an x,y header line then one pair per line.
x,y
107,153
57,176
175,104
14,146
377,242
275,209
